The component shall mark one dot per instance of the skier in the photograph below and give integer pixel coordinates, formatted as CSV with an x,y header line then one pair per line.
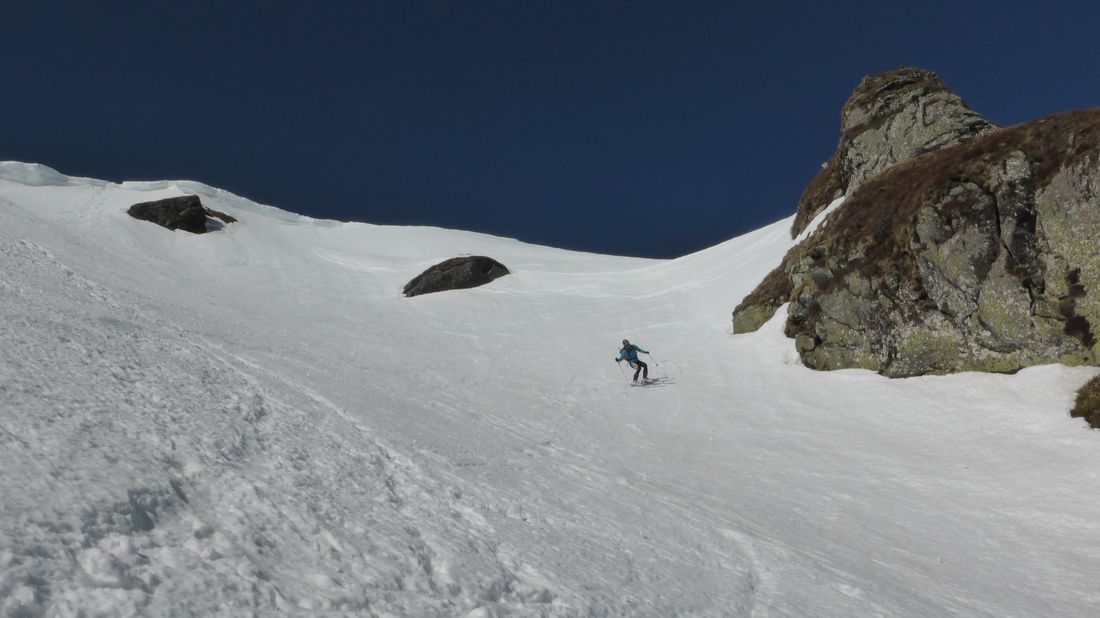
x,y
629,353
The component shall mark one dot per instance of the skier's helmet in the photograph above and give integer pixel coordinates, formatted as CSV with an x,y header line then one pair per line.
x,y
626,342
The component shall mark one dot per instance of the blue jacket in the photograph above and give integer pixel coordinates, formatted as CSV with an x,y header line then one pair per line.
x,y
630,353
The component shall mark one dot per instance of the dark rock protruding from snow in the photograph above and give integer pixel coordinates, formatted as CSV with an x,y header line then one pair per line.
x,y
890,117
456,273
185,212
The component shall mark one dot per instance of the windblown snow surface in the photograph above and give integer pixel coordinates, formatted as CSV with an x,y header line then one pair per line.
x,y
256,421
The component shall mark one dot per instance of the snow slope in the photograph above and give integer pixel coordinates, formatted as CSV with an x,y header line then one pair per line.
x,y
257,420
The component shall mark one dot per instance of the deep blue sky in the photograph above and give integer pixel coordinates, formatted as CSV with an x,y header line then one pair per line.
x,y
637,128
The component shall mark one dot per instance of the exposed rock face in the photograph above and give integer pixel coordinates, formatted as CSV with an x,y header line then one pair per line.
x,y
890,117
982,256
180,213
456,273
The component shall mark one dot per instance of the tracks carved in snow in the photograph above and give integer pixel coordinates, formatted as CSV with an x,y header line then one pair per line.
x,y
761,580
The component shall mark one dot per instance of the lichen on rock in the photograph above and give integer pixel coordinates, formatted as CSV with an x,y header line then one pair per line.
x,y
890,117
983,255
185,212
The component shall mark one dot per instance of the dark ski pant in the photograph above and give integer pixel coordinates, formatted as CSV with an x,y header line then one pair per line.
x,y
642,368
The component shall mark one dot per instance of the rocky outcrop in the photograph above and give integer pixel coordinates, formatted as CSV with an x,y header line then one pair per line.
x,y
890,117
185,213
982,256
456,273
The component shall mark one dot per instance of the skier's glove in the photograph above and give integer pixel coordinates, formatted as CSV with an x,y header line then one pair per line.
x,y
618,360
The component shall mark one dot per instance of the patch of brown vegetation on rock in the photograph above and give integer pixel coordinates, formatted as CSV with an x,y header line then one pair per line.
x,y
762,302
822,190
889,118
876,221
1087,405
1077,326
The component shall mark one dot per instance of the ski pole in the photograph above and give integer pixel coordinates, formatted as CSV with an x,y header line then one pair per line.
x,y
620,365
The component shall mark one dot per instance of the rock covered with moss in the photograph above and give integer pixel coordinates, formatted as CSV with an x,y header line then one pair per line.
x,y
762,303
981,256
890,117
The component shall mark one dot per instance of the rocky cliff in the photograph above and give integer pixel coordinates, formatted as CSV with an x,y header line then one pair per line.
x,y
983,255
890,117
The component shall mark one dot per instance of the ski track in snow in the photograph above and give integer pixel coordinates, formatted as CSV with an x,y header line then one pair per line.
x,y
255,421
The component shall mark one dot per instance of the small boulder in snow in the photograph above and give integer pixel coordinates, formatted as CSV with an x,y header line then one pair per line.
x,y
185,212
456,273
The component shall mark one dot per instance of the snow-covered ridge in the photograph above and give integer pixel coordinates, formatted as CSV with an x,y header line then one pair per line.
x,y
257,421
38,175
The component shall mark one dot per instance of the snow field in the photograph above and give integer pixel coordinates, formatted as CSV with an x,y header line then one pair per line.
x,y
256,420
